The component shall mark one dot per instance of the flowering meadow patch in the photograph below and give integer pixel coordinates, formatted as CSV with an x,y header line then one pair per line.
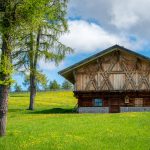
x,y
53,126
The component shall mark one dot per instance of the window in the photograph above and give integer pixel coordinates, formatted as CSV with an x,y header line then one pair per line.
x,y
98,102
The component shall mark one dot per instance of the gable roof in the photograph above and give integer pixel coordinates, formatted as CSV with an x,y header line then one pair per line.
x,y
68,72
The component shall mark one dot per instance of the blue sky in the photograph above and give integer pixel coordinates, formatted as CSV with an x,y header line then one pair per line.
x,y
98,24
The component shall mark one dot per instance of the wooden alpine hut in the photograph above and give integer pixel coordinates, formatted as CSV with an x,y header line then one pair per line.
x,y
114,80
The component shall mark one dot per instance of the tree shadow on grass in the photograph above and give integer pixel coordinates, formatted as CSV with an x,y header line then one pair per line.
x,y
46,111
19,96
53,111
15,110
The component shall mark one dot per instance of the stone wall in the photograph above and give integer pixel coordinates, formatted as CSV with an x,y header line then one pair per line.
x,y
134,109
93,109
106,109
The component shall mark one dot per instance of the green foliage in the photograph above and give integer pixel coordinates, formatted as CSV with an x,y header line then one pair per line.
x,y
54,85
22,14
41,80
17,88
53,126
43,42
67,85
19,18
6,69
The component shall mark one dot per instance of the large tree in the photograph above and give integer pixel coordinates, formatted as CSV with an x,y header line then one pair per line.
x,y
43,42
17,16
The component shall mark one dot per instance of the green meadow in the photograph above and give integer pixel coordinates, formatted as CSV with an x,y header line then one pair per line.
x,y
53,126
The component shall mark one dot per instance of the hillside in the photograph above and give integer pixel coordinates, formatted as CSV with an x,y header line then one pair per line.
x,y
53,126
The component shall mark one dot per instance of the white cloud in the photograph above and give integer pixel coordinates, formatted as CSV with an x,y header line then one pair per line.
x,y
130,16
123,20
87,37
129,13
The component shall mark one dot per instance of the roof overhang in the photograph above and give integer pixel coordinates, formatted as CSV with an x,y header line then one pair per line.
x,y
68,72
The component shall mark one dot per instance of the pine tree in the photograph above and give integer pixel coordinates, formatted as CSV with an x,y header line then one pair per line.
x,y
67,85
43,42
54,85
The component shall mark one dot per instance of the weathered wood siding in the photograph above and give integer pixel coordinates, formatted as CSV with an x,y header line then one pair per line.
x,y
88,102
116,71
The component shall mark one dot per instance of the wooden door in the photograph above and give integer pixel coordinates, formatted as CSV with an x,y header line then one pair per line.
x,y
114,106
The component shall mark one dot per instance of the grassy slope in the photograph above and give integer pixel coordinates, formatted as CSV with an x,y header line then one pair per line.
x,y
51,128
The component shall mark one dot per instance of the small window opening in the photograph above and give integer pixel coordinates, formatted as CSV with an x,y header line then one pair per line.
x,y
126,99
98,102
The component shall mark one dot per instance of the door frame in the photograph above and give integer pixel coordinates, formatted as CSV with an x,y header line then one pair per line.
x,y
114,106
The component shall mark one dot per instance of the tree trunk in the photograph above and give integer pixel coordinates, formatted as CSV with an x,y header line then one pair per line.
x,y
33,67
3,108
5,72
32,91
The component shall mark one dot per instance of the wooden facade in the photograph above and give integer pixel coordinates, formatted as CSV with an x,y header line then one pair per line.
x,y
116,80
